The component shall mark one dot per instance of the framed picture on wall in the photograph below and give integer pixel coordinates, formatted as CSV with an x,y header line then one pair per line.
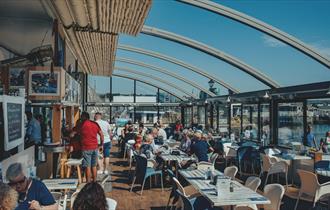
x,y
17,77
44,83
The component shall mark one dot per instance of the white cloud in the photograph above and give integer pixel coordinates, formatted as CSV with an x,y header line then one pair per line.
x,y
272,42
321,48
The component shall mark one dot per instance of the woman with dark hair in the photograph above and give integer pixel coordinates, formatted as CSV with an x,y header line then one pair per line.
x,y
90,197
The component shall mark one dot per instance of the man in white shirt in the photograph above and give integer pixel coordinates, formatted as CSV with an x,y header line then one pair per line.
x,y
106,130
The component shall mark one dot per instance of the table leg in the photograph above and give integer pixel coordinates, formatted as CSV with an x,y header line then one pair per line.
x,y
55,162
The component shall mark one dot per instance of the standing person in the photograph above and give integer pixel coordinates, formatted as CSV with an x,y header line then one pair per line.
x,y
32,194
88,131
8,197
33,130
106,130
309,139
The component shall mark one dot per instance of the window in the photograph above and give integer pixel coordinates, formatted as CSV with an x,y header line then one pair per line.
x,y
318,116
236,112
290,123
98,89
223,118
250,121
265,123
187,116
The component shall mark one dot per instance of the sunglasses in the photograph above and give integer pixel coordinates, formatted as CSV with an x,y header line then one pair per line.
x,y
20,182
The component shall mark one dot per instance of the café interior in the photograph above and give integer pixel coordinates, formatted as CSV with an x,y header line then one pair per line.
x,y
268,147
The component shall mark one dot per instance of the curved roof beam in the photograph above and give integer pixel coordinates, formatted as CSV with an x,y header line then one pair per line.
x,y
148,83
177,62
261,26
164,71
211,51
157,79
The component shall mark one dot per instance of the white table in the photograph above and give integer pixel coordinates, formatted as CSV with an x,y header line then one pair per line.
x,y
61,184
240,196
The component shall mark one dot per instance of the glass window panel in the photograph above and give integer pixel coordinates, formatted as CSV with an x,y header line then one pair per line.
x,y
187,116
121,112
265,123
201,116
170,114
195,114
104,110
236,111
223,118
98,89
290,123
146,114
145,93
318,116
122,90
250,121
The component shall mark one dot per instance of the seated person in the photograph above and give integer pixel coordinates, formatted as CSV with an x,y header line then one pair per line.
x,y
8,197
75,145
147,147
138,141
200,148
92,196
186,141
32,194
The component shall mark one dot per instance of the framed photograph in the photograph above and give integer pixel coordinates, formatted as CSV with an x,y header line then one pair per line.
x,y
17,77
44,83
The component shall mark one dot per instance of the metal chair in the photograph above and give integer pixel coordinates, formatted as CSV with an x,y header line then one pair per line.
x,y
142,172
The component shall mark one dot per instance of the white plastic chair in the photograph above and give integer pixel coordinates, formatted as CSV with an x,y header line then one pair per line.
x,y
204,165
229,153
73,197
231,172
112,204
182,190
63,205
253,182
274,192
311,190
272,165
128,146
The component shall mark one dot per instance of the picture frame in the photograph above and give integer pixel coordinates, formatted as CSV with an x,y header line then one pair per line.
x,y
43,83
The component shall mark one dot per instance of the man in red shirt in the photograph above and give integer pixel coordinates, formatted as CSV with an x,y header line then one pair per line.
x,y
88,131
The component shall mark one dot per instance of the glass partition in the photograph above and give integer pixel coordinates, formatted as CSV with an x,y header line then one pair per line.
x,y
265,123
187,116
201,116
318,116
98,89
170,114
122,90
250,121
290,123
236,111
223,119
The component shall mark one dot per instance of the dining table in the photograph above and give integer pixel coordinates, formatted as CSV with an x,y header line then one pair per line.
x,y
61,184
220,194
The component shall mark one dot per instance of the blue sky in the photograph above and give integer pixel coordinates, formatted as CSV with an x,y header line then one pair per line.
x,y
307,20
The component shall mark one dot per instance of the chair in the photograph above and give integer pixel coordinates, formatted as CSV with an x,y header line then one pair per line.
x,y
214,158
73,197
274,192
112,204
74,163
57,196
129,145
272,166
311,190
229,153
231,171
142,172
104,180
63,205
244,157
204,165
173,190
253,182
196,202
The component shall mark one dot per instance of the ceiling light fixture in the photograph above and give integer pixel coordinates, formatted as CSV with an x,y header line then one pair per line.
x,y
228,99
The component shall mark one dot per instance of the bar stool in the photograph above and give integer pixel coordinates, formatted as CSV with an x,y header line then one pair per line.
x,y
76,163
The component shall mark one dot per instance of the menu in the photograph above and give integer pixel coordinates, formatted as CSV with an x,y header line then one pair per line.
x,y
14,117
